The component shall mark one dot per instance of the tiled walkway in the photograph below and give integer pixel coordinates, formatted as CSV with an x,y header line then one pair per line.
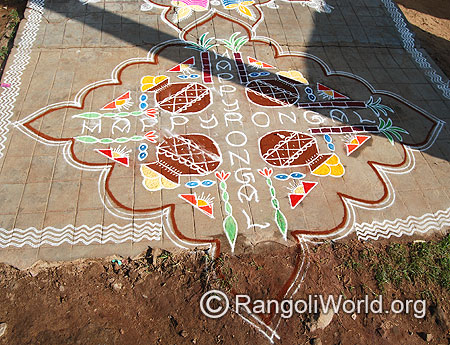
x,y
215,124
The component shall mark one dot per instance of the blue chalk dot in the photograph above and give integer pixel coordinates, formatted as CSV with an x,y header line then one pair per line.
x,y
182,76
192,184
207,183
311,97
327,138
143,98
297,175
331,147
281,177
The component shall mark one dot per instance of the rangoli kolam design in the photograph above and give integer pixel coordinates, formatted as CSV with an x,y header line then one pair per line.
x,y
271,93
287,149
183,155
177,98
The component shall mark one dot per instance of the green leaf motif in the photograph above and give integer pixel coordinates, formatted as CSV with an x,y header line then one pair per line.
x,y
136,138
281,222
225,196
275,204
230,227
86,139
272,192
228,208
88,116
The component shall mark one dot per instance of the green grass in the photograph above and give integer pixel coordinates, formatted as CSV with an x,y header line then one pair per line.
x,y
419,263
3,52
13,19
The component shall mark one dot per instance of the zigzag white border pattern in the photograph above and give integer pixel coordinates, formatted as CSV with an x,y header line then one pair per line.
x,y
13,75
409,45
82,234
399,227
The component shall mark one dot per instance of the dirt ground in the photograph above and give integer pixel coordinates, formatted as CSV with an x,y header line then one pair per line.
x,y
154,299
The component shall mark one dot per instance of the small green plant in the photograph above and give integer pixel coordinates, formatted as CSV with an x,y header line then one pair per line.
x,y
389,131
3,52
377,107
203,44
13,19
235,43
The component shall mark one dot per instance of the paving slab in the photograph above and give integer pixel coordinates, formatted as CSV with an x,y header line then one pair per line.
x,y
214,124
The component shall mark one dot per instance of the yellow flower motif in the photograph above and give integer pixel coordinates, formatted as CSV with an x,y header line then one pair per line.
x,y
154,181
242,7
331,167
149,81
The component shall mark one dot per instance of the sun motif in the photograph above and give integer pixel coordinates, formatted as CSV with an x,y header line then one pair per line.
x,y
122,102
296,188
117,154
204,201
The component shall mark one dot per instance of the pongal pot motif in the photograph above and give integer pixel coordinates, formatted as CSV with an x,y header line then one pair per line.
x,y
285,149
181,155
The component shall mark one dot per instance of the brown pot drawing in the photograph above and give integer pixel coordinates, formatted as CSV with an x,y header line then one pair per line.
x,y
293,149
272,93
182,155
177,98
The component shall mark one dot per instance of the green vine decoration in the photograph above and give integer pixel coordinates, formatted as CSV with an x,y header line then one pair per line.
x,y
230,225
280,218
88,139
93,115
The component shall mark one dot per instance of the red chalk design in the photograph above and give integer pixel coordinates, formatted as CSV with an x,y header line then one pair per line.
x,y
356,143
124,160
329,93
258,63
198,203
297,198
184,65
118,102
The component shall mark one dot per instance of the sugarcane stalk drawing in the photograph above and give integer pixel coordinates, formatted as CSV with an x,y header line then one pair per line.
x,y
371,104
235,43
204,44
280,218
385,127
230,225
